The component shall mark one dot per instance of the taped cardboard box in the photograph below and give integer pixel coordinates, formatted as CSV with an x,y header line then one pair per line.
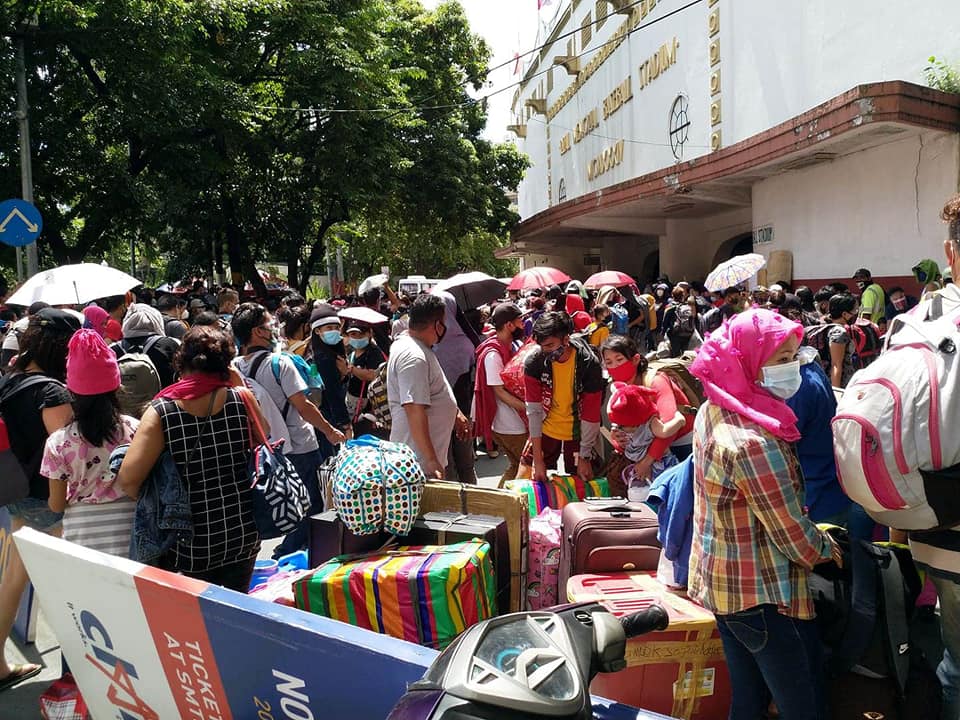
x,y
681,671
440,496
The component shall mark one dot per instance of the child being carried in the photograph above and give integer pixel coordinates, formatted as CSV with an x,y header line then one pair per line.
x,y
632,410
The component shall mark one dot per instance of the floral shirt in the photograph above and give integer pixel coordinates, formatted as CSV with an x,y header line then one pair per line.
x,y
68,457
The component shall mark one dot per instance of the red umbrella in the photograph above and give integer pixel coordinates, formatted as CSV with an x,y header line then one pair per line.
x,y
608,277
538,277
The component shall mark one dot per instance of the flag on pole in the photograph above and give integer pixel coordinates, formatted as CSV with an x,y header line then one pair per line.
x,y
516,63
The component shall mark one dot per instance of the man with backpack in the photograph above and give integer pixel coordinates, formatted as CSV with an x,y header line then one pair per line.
x,y
145,356
731,306
255,330
938,551
844,342
172,309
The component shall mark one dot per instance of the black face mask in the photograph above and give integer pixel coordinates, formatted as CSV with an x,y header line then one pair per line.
x,y
518,333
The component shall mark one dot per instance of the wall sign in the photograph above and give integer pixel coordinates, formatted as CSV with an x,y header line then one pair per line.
x,y
763,235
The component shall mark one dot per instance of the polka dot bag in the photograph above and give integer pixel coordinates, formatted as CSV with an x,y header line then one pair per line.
x,y
377,486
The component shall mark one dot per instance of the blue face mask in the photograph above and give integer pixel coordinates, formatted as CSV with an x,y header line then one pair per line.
x,y
359,343
331,337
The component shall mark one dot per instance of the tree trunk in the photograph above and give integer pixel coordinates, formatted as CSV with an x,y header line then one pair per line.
x,y
337,213
235,243
218,255
293,266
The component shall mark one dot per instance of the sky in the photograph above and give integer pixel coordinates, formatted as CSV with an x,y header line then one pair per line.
x,y
508,26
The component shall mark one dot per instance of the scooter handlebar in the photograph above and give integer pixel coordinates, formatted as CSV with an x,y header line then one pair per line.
x,y
649,620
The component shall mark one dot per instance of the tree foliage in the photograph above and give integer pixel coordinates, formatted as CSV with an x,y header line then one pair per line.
x,y
218,132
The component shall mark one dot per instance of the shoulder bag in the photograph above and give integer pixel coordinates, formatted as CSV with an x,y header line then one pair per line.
x,y
280,498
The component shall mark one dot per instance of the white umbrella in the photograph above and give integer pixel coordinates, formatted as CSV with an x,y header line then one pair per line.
x,y
473,289
734,271
73,285
364,315
374,281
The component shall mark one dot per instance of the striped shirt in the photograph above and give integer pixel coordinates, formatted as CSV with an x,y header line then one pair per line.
x,y
753,543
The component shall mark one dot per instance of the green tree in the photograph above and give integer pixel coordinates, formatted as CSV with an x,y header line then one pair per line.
x,y
219,133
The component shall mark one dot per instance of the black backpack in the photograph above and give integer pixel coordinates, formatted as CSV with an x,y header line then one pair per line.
x,y
863,614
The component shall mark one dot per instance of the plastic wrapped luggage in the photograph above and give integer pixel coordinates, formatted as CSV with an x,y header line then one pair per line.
x,y
423,594
543,565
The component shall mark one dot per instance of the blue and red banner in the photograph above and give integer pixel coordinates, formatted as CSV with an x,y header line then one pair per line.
x,y
144,644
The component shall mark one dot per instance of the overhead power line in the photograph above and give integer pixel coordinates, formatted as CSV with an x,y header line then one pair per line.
x,y
487,96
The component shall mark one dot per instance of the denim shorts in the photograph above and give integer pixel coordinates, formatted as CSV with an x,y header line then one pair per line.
x,y
36,514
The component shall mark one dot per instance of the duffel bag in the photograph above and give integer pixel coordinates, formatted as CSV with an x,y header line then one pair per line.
x,y
377,486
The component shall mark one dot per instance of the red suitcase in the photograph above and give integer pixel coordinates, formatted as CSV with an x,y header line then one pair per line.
x,y
607,536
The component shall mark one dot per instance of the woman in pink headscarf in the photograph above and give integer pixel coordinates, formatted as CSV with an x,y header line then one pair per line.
x,y
753,544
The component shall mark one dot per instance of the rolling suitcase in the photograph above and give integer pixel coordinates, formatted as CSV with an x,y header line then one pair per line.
x,y
607,536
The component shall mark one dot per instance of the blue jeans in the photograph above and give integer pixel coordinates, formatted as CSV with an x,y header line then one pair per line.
x,y
949,669
35,513
769,654
307,465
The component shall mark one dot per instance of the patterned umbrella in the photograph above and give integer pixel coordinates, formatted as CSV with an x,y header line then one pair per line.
x,y
538,277
735,271
608,277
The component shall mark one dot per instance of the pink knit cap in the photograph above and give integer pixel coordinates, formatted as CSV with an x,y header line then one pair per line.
x,y
91,366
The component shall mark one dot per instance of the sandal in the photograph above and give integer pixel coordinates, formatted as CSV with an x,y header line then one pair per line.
x,y
18,674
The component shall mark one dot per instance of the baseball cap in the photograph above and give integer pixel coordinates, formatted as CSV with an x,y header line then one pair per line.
x,y
862,272
57,320
504,313
168,301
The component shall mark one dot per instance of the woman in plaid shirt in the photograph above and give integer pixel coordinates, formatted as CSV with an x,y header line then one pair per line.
x,y
753,544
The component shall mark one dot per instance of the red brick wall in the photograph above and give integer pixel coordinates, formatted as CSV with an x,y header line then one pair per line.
x,y
908,283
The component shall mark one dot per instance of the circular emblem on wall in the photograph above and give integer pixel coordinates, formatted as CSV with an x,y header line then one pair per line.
x,y
679,125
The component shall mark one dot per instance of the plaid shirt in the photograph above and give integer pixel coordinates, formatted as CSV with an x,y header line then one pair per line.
x,y
753,543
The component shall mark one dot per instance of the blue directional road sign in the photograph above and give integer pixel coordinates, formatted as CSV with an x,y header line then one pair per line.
x,y
20,223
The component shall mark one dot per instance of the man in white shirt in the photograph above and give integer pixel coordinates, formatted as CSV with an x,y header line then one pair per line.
x,y
422,406
498,415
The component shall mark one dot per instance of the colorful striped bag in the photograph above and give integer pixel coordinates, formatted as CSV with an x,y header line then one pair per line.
x,y
426,595
558,491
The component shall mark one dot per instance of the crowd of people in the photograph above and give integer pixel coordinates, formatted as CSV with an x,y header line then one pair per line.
x,y
131,392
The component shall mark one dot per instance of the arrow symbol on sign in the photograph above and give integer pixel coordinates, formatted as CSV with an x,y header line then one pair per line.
x,y
16,213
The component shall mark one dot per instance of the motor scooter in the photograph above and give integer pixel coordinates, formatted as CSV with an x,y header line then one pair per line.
x,y
526,666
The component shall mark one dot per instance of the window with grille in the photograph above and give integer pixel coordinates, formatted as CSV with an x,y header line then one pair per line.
x,y
601,12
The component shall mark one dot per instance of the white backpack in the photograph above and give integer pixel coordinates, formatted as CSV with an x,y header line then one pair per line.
x,y
896,437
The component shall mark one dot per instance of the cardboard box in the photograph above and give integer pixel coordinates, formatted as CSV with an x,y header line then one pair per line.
x,y
441,496
681,671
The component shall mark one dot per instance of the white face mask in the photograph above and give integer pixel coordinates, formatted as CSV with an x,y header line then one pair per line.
x,y
782,381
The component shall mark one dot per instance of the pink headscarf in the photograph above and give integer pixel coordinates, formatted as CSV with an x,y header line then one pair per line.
x,y
730,360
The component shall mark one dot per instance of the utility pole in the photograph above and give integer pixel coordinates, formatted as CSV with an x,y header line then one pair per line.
x,y
26,168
